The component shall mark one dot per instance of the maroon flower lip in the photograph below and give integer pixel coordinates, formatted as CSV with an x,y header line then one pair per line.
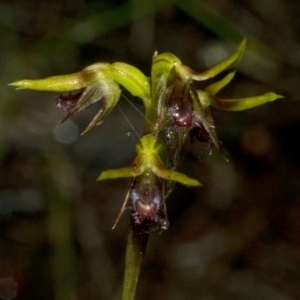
x,y
67,103
200,134
186,111
181,107
146,210
147,198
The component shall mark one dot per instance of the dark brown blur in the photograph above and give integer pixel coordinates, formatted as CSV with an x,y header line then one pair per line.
x,y
237,237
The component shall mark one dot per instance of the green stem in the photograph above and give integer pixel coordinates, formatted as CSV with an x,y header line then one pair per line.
x,y
136,245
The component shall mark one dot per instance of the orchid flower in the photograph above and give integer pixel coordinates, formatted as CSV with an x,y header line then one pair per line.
x,y
174,109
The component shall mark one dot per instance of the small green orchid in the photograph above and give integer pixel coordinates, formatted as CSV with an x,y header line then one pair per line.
x,y
147,171
174,109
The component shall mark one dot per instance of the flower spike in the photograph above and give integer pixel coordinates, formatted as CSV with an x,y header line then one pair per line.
x,y
174,109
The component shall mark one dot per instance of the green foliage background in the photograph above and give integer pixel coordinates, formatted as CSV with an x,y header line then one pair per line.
x,y
236,238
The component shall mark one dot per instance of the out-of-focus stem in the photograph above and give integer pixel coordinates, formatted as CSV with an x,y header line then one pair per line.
x,y
60,222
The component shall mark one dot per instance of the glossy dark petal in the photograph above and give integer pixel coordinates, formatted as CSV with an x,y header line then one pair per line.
x,y
180,105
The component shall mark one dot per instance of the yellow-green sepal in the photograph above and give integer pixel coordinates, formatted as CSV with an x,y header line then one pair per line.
x,y
215,87
242,103
176,176
221,66
118,173
63,83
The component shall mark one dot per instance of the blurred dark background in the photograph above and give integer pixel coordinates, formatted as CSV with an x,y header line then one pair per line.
x,y
238,237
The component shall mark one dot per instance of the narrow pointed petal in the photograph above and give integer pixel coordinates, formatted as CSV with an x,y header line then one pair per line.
x,y
243,103
91,94
222,66
176,176
107,107
214,88
97,120
119,173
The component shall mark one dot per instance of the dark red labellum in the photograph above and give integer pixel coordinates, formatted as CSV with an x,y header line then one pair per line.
x,y
200,134
66,103
148,201
181,111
